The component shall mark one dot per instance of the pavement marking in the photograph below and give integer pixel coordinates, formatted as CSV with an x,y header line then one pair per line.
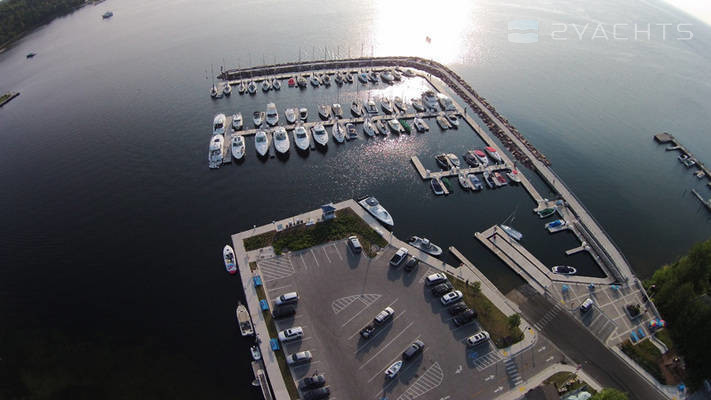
x,y
388,344
308,364
429,271
487,360
279,288
315,259
276,268
326,254
337,251
358,331
306,267
381,330
342,303
429,380
549,359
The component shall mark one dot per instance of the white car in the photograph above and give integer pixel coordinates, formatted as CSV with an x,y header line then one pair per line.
x,y
477,338
287,298
384,315
435,279
291,334
299,358
451,297
398,257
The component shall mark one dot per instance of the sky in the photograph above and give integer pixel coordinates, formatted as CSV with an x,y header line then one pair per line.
x,y
700,9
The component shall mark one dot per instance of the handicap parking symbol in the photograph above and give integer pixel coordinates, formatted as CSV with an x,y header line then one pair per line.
x,y
473,355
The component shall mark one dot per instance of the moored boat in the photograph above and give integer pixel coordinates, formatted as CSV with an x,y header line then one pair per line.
x,y
266,85
238,147
514,175
436,187
337,110
252,87
258,118
272,114
290,114
555,226
339,132
261,143
499,179
443,161
463,181
386,105
475,182
276,84
546,212
494,154
425,245
453,159
399,103
244,321
417,105
237,121
303,113
381,127
488,179
564,270
405,126
291,82
301,138
420,125
357,107
320,135
512,232
281,140
483,160
218,124
372,205
215,151
394,125
301,82
228,256
371,107
351,132
227,89
453,120
442,122
256,354
471,158
242,87
324,111
368,127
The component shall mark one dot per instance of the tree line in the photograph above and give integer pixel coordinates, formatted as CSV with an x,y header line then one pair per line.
x,y
20,16
681,292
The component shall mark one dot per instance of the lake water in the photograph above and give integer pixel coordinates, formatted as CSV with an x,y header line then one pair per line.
x,y
113,224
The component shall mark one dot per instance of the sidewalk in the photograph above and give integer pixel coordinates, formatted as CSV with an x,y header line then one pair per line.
x,y
534,381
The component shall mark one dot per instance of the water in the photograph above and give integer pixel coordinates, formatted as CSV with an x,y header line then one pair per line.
x,y
113,224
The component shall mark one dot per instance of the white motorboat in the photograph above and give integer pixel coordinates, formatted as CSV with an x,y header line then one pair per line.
x,y
281,140
453,159
215,151
256,354
339,132
393,369
425,245
417,105
357,107
238,147
443,122
228,256
261,143
252,87
371,107
483,160
446,103
512,232
429,98
368,128
314,81
227,89
276,84
290,114
320,134
493,154
463,181
242,87
303,113
436,186
218,124
351,132
244,321
514,175
386,105
381,127
237,121
394,125
213,92
301,82
474,182
453,120
372,205
488,179
266,85
337,110
301,138
387,77
272,114
564,270
258,118
324,111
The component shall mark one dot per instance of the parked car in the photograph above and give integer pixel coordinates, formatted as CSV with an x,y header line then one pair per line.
x,y
354,244
313,381
477,338
398,257
442,288
457,308
283,311
320,393
299,358
586,306
415,348
367,331
384,316
287,298
435,279
451,297
465,317
411,264
291,334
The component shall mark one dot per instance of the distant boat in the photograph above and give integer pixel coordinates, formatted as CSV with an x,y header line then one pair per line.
x,y
281,140
425,245
237,122
319,134
546,212
261,143
258,118
218,124
475,182
512,232
324,111
107,15
436,187
301,138
372,205
337,110
244,321
228,255
30,55
215,151
564,270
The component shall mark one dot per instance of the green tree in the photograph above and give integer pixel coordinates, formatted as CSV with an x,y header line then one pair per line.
x,y
610,394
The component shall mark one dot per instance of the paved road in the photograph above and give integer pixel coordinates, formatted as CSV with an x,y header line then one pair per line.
x,y
581,346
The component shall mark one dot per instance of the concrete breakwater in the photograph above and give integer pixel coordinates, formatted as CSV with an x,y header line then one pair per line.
x,y
431,67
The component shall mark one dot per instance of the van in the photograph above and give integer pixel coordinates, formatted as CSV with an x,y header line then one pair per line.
x,y
586,306
354,244
287,298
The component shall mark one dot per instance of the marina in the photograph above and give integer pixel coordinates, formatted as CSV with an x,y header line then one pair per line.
x,y
687,159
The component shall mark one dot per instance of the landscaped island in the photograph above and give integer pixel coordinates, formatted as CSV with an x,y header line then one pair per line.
x,y
18,17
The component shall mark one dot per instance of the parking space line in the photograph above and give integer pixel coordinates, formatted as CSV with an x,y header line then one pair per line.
x,y
463,326
358,331
280,287
337,251
306,267
388,344
326,254
427,273
315,259
293,368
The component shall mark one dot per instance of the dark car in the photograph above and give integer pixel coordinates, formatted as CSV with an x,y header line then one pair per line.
x,y
313,381
457,308
465,317
442,288
283,312
320,393
367,331
414,349
411,264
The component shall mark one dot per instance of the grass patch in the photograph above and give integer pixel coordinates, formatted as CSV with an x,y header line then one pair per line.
x,y
665,337
281,358
300,237
253,266
566,382
647,356
504,330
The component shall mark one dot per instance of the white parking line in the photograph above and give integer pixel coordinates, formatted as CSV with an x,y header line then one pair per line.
x,y
280,287
358,331
314,254
326,254
388,344
337,251
306,267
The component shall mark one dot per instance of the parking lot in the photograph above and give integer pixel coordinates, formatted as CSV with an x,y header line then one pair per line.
x,y
340,293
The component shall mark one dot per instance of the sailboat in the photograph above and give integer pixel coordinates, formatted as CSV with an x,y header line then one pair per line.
x,y
508,229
